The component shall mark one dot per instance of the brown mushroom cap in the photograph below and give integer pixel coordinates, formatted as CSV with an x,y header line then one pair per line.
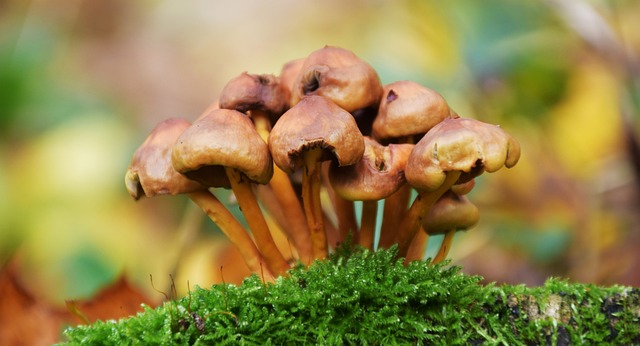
x,y
222,138
408,109
315,122
451,212
378,174
465,145
261,92
150,172
339,75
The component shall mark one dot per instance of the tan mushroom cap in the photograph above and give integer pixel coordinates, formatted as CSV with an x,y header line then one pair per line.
x,y
339,75
262,92
465,145
222,138
377,175
451,212
315,122
150,172
408,109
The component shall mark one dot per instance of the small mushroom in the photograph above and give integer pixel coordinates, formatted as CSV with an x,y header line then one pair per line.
x,y
451,213
151,173
378,174
407,111
265,99
341,76
223,149
312,131
454,151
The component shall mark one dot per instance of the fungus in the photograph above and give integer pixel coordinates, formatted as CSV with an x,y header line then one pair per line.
x,y
341,76
312,131
265,99
223,149
378,174
454,151
151,173
452,212
407,111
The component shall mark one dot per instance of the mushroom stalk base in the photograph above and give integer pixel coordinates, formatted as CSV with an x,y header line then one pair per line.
x,y
234,231
445,246
395,207
368,224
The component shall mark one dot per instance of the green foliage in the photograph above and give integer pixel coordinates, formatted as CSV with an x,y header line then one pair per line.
x,y
371,298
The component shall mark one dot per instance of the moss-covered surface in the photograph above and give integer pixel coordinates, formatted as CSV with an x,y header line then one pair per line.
x,y
368,298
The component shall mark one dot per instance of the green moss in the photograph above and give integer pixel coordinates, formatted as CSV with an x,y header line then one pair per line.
x,y
366,298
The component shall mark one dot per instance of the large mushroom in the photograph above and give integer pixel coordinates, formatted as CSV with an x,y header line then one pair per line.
x,y
378,174
313,131
265,99
151,173
454,151
407,111
223,149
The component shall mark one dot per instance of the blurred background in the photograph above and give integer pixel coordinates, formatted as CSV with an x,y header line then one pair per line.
x,y
83,82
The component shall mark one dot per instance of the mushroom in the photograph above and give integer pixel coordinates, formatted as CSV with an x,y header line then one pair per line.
x,y
223,149
345,79
454,151
265,99
407,111
452,212
151,173
378,174
312,131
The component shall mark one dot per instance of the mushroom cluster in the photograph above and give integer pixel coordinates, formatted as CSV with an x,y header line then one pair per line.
x,y
305,146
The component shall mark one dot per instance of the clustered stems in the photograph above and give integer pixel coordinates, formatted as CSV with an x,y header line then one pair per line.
x,y
325,126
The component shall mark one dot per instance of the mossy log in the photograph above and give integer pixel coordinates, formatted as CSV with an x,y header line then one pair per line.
x,y
370,298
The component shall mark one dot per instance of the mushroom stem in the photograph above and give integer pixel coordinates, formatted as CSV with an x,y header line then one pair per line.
x,y
311,200
444,247
368,224
395,207
296,227
346,215
249,205
419,208
230,226
418,246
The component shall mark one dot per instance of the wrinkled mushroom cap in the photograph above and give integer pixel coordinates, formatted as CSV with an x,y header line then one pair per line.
x,y
222,138
150,172
339,75
378,174
451,212
248,92
315,122
465,145
408,109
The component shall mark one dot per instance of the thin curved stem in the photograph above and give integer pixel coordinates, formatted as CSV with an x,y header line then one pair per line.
x,y
249,205
444,247
368,224
419,208
234,231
